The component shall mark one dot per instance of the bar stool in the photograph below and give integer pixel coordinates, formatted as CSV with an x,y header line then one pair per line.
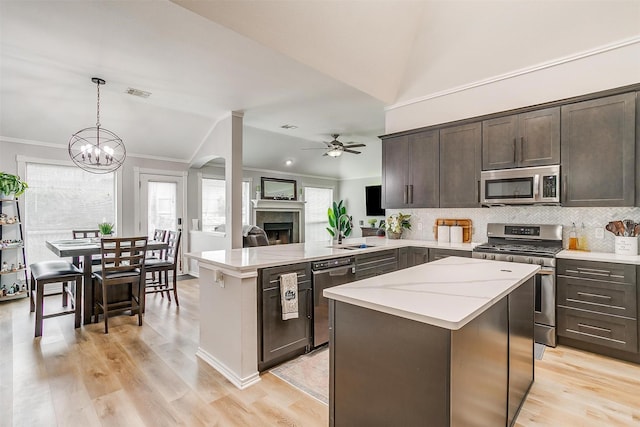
x,y
48,272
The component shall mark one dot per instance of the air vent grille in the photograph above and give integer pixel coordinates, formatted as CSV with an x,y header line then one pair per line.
x,y
138,92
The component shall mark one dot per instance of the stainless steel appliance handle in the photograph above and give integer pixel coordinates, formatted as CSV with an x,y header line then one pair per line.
x,y
337,271
536,186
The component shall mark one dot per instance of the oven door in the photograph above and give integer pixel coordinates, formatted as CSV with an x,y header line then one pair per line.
x,y
545,307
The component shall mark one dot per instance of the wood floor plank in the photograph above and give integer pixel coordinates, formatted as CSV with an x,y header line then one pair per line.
x,y
149,375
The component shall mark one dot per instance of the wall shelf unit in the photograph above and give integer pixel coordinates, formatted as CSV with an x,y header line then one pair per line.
x,y
13,260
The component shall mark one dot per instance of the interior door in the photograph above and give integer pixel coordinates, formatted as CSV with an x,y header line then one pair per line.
x,y
161,205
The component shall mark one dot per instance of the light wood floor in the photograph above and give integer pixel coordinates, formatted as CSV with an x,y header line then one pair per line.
x,y
149,375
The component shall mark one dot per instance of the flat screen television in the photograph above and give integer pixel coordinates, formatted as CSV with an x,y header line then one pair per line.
x,y
373,200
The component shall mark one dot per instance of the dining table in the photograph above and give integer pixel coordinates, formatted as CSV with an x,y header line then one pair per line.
x,y
84,249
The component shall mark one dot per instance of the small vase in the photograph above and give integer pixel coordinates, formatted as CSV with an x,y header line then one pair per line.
x,y
392,235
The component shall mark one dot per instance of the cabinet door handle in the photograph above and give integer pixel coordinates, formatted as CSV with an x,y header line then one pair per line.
x,y
478,191
406,194
596,328
587,294
564,189
514,150
410,193
521,148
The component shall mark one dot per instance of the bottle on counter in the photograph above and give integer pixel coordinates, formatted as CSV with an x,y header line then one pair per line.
x,y
582,239
573,238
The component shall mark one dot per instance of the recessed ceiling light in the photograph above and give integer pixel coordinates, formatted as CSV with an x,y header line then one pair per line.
x,y
138,92
289,127
288,162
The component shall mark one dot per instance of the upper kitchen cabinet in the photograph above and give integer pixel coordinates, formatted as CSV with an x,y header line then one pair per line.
x,y
460,163
410,170
522,140
598,152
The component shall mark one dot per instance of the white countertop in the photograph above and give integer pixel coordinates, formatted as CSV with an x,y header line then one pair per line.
x,y
270,256
599,256
448,293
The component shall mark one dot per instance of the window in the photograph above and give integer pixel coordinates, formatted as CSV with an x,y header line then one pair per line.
x,y
214,203
315,213
61,199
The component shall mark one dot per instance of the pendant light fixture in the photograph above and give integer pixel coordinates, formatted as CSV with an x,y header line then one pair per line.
x,y
96,149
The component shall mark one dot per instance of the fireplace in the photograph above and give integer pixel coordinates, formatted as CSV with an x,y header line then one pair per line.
x,y
279,233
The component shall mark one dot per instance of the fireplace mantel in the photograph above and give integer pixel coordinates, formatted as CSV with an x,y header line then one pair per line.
x,y
281,205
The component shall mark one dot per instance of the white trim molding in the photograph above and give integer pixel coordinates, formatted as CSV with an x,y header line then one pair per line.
x,y
510,75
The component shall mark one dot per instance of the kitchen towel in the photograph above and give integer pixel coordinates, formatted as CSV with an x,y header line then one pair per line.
x,y
456,234
289,295
443,234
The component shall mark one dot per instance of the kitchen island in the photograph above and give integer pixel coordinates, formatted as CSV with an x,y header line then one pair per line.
x,y
229,324
449,343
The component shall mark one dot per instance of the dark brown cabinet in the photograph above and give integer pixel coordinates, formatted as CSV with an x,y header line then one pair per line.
x,y
376,263
598,152
280,340
597,304
411,256
522,140
460,163
439,253
410,170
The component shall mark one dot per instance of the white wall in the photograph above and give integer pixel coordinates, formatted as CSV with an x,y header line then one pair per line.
x,y
353,193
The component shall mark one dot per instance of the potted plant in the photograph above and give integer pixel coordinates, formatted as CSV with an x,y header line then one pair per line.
x,y
395,224
339,222
372,222
106,228
11,185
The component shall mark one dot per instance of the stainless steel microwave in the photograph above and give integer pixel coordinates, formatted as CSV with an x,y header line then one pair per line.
x,y
521,186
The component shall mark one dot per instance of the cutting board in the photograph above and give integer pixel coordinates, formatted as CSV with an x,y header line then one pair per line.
x,y
467,228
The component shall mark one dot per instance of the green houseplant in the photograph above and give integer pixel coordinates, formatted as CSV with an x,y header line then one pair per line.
x,y
11,185
106,228
339,221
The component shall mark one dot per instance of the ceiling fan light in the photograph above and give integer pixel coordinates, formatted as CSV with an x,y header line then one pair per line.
x,y
334,152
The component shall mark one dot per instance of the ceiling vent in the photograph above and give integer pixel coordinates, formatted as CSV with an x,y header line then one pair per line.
x,y
289,127
138,92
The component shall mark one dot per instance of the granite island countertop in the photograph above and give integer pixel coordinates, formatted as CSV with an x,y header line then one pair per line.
x,y
448,293
248,259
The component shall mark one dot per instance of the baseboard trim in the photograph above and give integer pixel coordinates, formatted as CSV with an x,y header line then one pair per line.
x,y
237,381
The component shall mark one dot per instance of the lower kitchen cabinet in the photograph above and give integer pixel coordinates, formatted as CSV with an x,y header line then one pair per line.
x,y
376,263
597,307
411,256
280,340
439,253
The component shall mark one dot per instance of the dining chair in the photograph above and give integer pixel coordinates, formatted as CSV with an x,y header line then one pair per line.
x,y
86,234
166,265
122,262
48,272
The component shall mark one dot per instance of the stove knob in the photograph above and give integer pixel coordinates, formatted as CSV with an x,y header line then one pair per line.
x,y
510,258
529,260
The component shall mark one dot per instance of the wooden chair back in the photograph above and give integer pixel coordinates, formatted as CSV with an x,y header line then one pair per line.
x,y
83,234
122,257
173,250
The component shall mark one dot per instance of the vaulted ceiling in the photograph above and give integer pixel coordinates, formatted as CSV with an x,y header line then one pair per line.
x,y
323,66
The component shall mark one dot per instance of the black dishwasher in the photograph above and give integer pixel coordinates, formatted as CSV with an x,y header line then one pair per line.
x,y
326,274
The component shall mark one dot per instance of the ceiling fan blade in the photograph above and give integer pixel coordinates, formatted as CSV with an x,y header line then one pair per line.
x,y
346,150
355,145
315,148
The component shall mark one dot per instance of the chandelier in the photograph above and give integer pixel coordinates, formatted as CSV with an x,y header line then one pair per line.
x,y
95,149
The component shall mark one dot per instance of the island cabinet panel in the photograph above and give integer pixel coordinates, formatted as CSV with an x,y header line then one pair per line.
x,y
411,256
280,340
598,307
460,164
598,152
410,170
522,140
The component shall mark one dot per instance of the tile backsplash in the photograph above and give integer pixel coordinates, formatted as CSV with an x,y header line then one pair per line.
x,y
592,218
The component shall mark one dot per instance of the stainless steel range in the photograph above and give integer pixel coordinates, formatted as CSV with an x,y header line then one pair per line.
x,y
530,244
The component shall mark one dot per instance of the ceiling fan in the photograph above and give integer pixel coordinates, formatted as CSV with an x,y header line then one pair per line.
x,y
335,148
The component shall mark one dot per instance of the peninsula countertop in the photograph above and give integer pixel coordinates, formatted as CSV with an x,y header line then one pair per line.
x,y
448,293
247,259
